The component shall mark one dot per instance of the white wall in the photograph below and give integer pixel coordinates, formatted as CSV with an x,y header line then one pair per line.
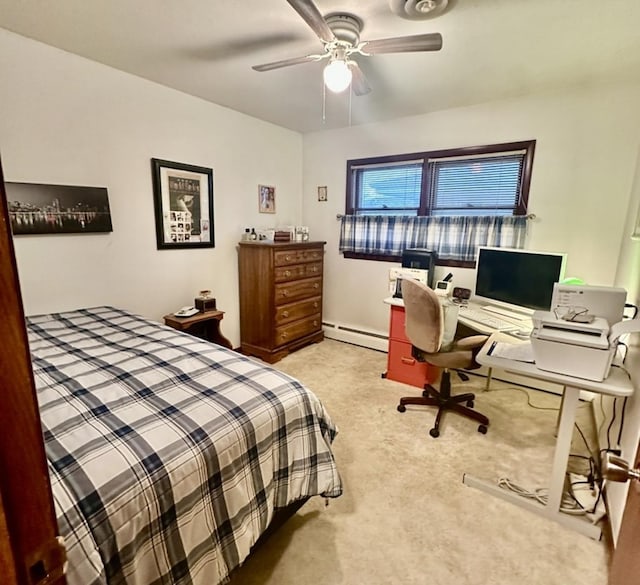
x,y
582,174
66,120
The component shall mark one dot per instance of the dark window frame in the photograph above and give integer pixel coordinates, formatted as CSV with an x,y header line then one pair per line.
x,y
469,151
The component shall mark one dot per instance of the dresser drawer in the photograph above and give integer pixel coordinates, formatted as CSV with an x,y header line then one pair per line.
x,y
313,269
288,257
297,290
312,254
294,311
286,273
297,329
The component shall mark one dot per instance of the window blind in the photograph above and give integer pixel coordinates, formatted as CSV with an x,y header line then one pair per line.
x,y
475,186
388,190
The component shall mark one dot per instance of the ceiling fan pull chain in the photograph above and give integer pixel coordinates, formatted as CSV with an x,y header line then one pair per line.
x,y
350,99
324,103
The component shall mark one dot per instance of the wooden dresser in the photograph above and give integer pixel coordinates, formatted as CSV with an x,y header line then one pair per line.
x,y
280,297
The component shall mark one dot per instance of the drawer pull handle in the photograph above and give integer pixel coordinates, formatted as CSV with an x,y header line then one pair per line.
x,y
283,335
315,322
287,273
408,361
285,293
285,313
315,305
315,269
316,285
287,258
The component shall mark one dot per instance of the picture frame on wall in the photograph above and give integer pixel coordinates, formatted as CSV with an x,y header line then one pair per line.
x,y
38,209
183,204
266,199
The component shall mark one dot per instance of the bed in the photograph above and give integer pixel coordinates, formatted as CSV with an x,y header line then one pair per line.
x,y
168,455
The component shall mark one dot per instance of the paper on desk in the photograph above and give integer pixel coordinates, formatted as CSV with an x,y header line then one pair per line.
x,y
521,352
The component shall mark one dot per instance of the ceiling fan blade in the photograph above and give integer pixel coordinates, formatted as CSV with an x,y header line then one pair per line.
x,y
287,62
311,15
424,42
359,82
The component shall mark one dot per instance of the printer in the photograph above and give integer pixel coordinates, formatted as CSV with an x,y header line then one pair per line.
x,y
581,350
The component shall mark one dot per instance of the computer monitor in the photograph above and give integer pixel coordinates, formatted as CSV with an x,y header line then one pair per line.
x,y
521,280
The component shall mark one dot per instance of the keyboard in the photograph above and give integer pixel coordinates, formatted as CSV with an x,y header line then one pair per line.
x,y
506,313
490,321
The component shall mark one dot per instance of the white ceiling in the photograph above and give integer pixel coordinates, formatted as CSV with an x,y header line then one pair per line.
x,y
492,49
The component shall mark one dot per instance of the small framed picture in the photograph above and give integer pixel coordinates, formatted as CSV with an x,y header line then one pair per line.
x,y
322,193
266,199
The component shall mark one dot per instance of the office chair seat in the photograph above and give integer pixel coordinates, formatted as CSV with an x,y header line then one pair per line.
x,y
425,328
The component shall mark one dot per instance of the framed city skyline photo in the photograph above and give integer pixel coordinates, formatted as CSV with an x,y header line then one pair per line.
x,y
36,208
266,199
183,202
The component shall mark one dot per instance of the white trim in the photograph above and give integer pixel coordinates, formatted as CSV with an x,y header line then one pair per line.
x,y
369,339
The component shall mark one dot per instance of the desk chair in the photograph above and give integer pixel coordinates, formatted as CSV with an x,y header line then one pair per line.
x,y
425,328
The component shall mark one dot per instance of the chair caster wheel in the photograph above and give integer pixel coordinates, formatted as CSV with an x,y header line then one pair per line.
x,y
435,433
470,403
482,429
401,408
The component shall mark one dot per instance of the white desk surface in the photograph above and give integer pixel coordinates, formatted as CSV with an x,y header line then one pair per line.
x,y
479,327
616,384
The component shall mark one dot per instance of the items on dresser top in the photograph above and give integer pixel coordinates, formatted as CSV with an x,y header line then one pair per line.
x,y
280,297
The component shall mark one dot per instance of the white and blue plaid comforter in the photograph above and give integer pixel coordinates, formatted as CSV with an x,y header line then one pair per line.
x,y
168,454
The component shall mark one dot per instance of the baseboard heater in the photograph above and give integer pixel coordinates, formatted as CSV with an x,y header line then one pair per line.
x,y
370,339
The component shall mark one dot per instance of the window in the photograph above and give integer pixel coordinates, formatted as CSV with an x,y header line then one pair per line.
x,y
471,188
483,180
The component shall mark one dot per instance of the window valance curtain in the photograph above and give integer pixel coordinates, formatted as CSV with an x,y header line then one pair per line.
x,y
452,237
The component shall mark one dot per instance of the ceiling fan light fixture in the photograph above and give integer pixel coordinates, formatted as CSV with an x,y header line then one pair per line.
x,y
337,76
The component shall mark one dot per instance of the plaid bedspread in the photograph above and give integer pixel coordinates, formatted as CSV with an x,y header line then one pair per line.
x,y
168,454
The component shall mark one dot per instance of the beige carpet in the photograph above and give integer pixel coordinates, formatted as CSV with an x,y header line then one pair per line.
x,y
405,516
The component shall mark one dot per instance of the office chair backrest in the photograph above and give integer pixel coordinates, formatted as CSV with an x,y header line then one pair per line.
x,y
424,323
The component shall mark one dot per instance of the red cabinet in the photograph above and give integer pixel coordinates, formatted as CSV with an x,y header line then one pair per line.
x,y
401,365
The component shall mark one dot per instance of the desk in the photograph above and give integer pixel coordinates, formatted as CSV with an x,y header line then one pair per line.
x,y
617,384
403,367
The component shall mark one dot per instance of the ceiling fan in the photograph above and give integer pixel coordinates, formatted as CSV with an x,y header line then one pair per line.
x,y
339,32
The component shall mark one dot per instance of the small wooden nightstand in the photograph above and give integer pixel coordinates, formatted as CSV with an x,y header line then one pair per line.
x,y
204,325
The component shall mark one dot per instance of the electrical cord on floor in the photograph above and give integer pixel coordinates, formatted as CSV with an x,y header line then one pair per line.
x,y
529,403
568,504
